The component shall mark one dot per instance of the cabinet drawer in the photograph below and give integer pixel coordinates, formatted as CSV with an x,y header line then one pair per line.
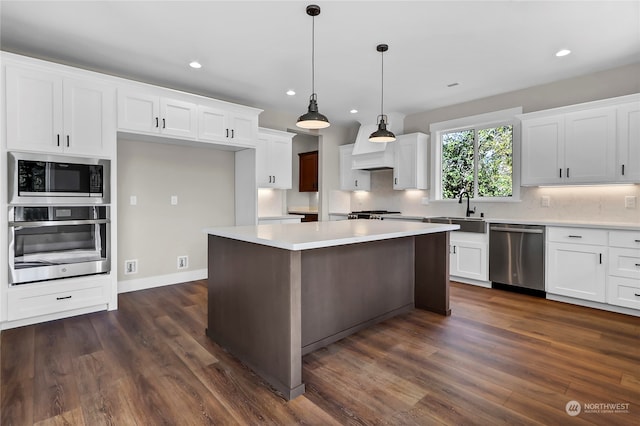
x,y
624,262
42,299
627,239
624,292
577,235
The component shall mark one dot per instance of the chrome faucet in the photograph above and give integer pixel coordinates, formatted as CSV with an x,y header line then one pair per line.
x,y
468,211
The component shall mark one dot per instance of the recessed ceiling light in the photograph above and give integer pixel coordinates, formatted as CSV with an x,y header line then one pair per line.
x,y
354,111
291,92
195,64
562,52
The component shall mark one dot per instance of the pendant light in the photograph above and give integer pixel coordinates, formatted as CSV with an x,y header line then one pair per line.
x,y
313,119
382,134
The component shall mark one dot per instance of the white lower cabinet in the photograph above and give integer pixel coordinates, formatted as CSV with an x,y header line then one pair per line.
x,y
576,263
623,281
37,299
468,255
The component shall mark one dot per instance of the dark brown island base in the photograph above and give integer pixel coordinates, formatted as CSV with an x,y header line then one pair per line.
x,y
278,292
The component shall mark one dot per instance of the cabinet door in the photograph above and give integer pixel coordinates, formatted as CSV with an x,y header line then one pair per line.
x,y
279,162
138,112
212,124
308,172
178,118
89,122
542,151
576,270
404,169
243,128
352,180
628,167
263,172
468,260
34,110
590,146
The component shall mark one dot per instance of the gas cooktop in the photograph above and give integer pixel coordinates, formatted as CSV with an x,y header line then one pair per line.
x,y
369,214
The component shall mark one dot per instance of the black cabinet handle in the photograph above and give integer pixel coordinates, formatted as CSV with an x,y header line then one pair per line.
x,y
574,236
232,133
567,173
269,178
560,172
623,170
637,241
356,183
636,294
64,297
67,141
58,140
164,124
157,124
274,178
454,249
227,132
601,258
395,181
637,264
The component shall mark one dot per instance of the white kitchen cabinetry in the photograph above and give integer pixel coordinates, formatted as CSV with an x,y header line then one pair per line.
x,y
623,281
628,167
468,256
219,124
350,179
592,143
273,159
148,112
55,113
410,161
45,298
576,263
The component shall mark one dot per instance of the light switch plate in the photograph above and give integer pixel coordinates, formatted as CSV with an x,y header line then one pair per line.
x,y
174,200
630,202
133,200
545,201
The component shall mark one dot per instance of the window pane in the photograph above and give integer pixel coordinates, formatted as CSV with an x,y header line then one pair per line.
x,y
457,163
495,162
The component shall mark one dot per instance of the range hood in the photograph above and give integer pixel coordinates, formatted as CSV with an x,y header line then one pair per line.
x,y
374,155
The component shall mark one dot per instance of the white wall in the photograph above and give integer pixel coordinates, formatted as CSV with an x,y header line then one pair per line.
x,y
598,203
155,232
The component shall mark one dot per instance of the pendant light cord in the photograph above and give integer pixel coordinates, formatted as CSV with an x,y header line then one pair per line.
x,y
382,89
313,55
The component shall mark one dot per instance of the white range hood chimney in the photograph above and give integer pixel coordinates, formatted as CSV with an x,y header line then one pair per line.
x,y
375,155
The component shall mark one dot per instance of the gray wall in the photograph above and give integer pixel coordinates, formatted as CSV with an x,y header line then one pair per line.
x,y
155,232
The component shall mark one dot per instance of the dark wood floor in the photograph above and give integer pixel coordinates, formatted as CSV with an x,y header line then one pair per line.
x,y
501,358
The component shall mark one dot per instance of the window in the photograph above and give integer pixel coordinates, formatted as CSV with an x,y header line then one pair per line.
x,y
477,156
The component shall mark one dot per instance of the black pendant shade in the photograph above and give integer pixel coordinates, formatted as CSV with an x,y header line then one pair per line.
x,y
313,119
382,134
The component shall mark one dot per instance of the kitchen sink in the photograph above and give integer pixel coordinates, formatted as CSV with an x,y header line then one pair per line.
x,y
467,224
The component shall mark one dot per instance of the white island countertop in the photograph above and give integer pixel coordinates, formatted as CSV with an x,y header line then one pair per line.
x,y
311,235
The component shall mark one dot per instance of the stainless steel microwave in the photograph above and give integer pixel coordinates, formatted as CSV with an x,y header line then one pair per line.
x,y
36,179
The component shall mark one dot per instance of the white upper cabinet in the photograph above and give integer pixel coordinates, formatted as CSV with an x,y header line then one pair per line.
x,y
147,112
410,161
628,166
582,144
590,146
273,159
50,112
351,179
217,124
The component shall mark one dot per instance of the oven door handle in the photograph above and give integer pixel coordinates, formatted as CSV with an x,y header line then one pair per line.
x,y
20,225
520,230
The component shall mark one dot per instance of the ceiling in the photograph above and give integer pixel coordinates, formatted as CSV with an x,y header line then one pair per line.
x,y
253,52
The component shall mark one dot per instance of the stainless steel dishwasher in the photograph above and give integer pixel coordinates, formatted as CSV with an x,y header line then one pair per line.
x,y
516,255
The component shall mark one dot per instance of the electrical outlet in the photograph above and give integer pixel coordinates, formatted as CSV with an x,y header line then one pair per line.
x,y
131,267
545,201
424,201
174,200
183,262
630,202
133,200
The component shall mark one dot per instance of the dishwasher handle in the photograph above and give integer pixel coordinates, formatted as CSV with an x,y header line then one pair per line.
x,y
521,230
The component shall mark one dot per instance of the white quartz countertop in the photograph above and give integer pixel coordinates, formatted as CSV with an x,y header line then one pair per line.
x,y
570,223
311,235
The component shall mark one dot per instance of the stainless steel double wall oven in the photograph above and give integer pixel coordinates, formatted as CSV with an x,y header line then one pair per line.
x,y
59,217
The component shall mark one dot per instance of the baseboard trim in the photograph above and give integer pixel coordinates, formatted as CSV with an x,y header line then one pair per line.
x,y
595,305
161,280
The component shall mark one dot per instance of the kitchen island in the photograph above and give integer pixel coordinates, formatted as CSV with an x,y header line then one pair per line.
x,y
278,292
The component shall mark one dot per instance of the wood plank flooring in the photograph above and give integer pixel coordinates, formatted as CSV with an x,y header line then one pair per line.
x,y
501,358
